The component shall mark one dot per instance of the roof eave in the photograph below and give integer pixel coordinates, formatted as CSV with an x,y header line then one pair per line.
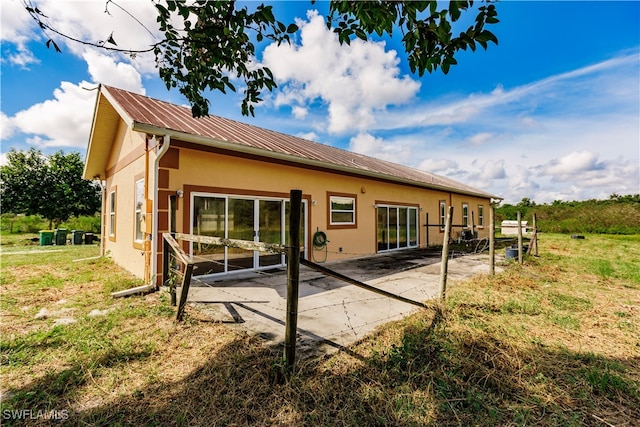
x,y
98,146
211,142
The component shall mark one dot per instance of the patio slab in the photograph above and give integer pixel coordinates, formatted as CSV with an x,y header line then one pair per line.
x,y
331,314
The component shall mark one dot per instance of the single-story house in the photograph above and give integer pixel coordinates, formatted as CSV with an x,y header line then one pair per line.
x,y
165,171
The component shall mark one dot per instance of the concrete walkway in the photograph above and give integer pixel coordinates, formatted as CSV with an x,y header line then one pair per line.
x,y
331,313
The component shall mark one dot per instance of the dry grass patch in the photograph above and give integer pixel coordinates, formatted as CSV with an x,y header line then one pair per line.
x,y
550,343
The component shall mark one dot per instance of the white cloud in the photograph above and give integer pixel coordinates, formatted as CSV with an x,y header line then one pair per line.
x,y
440,166
104,69
7,129
573,163
311,136
493,169
352,81
135,27
399,151
605,86
299,112
15,26
65,120
60,122
481,138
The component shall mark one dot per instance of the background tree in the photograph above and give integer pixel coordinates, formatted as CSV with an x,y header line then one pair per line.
x,y
34,184
205,43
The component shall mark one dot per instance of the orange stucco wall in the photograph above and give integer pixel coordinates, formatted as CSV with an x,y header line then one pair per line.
x,y
125,166
222,173
191,170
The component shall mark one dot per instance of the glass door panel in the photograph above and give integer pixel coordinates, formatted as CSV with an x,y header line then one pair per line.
x,y
393,228
383,228
413,227
270,230
209,220
240,224
402,228
303,220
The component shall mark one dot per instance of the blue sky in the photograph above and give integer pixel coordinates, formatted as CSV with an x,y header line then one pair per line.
x,y
552,112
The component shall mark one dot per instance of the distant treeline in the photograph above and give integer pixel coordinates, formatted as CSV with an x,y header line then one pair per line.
x,y
616,215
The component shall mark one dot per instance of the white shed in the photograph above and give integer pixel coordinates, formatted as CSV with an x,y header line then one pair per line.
x,y
510,228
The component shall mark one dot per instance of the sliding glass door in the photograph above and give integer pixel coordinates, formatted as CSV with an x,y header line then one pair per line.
x,y
397,227
242,218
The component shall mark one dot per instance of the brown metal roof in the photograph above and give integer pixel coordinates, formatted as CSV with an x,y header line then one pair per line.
x,y
144,113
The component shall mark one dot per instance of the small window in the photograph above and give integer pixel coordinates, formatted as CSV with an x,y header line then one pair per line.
x,y
342,210
480,216
112,214
443,214
465,214
139,235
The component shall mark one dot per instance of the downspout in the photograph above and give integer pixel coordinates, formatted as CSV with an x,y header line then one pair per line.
x,y
103,222
147,242
154,238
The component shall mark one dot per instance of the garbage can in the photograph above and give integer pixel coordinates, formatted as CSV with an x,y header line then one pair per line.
x,y
60,236
511,253
88,238
76,237
46,237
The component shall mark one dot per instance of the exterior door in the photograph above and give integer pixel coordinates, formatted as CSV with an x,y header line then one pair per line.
x,y
397,227
243,218
270,230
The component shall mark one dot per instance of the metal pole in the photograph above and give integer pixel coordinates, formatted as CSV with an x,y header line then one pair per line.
x,y
492,241
444,265
293,278
519,237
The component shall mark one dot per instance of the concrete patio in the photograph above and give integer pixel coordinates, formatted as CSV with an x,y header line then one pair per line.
x,y
331,314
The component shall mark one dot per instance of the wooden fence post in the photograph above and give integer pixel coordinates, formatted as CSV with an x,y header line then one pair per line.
x,y
519,238
534,240
444,265
426,224
492,241
166,268
293,278
186,283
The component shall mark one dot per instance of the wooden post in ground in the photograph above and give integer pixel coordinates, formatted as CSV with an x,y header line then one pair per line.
x,y
293,278
534,240
444,265
186,283
166,262
426,224
519,237
492,241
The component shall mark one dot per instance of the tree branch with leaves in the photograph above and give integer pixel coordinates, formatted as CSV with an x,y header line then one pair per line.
x,y
206,44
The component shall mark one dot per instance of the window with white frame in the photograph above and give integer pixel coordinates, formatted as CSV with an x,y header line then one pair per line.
x,y
443,214
480,215
139,234
342,210
465,214
112,214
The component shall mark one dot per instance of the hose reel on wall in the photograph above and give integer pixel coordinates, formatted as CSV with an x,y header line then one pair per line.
x,y
319,245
